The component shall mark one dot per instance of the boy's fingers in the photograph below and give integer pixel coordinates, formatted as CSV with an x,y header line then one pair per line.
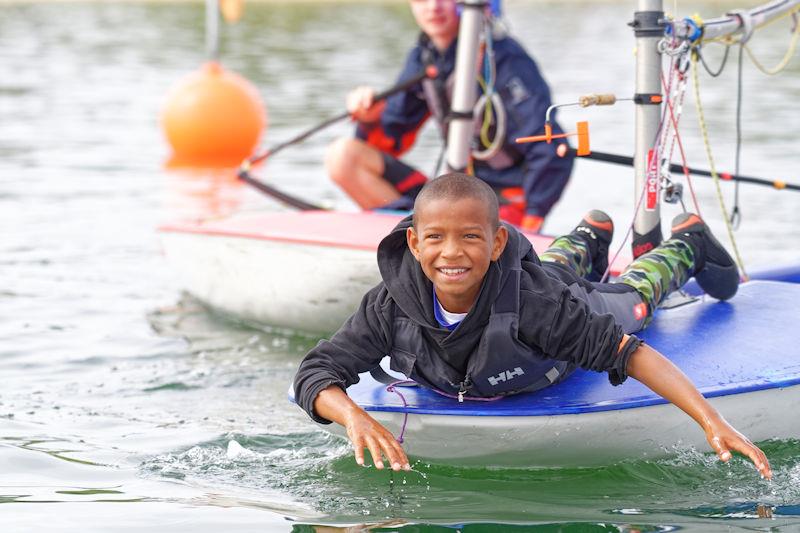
x,y
746,448
375,452
358,448
403,458
722,452
759,459
394,452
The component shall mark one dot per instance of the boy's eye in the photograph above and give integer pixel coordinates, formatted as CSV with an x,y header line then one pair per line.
x,y
432,236
472,236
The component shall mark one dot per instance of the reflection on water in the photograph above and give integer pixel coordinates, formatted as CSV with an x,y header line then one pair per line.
x,y
116,390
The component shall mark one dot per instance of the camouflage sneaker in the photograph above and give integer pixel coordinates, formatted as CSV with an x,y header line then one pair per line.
x,y
597,229
714,268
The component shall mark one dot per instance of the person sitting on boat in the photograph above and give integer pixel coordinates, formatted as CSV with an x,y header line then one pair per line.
x,y
465,297
529,178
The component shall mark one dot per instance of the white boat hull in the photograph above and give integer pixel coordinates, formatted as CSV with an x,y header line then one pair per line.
x,y
585,439
285,284
300,270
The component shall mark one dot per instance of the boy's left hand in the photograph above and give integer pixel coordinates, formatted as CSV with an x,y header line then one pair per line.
x,y
723,438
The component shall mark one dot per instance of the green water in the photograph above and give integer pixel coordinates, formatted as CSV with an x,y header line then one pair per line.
x,y
119,396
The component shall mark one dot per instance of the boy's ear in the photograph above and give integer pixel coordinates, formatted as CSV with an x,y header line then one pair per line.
x,y
500,241
413,242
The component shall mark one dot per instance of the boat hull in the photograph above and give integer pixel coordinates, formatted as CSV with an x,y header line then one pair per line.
x,y
586,439
300,270
299,286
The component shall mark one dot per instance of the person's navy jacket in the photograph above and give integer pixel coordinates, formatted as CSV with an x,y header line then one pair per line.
x,y
535,167
551,319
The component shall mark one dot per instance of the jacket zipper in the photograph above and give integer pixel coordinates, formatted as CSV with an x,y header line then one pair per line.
x,y
463,387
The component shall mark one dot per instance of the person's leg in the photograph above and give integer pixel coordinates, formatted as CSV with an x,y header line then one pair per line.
x,y
371,178
583,254
585,248
714,269
691,250
659,272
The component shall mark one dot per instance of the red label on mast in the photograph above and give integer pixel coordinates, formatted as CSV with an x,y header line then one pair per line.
x,y
651,183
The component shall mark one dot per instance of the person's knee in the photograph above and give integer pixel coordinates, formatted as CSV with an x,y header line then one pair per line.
x,y
342,157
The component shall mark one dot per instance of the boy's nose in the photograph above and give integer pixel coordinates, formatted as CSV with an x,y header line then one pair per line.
x,y
451,248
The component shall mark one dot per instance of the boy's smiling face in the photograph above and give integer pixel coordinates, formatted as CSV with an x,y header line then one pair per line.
x,y
454,242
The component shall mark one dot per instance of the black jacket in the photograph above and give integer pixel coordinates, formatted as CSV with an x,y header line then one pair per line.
x,y
551,321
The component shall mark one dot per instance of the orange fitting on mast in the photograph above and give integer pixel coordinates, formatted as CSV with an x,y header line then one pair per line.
x,y
582,134
583,138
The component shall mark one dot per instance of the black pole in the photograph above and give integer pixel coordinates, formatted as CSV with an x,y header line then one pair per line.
x,y
281,196
429,72
628,161
244,171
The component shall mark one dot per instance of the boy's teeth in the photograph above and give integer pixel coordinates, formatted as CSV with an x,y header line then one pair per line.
x,y
451,271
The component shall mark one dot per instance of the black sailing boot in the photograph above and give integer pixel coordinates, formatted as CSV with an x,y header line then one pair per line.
x,y
714,268
597,229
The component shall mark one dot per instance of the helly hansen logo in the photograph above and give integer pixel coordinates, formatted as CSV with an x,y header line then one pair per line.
x,y
505,376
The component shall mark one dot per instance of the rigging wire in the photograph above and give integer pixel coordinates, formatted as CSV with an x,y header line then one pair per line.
x,y
677,139
652,166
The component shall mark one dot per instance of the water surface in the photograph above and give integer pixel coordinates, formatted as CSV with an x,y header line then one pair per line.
x,y
119,397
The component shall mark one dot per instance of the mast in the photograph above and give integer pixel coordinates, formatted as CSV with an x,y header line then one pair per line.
x,y
212,30
460,130
648,25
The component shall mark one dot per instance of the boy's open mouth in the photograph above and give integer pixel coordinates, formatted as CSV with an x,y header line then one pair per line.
x,y
452,271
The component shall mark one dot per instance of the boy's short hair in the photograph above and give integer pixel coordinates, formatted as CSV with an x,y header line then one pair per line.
x,y
457,186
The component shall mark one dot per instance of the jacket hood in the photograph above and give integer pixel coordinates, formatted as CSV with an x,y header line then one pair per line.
x,y
412,290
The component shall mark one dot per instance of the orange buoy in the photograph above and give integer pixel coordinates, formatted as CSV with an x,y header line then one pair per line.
x,y
213,117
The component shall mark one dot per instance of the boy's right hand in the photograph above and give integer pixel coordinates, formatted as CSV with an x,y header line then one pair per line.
x,y
362,106
362,430
366,432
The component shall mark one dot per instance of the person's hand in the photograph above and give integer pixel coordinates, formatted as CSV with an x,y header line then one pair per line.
x,y
362,106
723,438
365,432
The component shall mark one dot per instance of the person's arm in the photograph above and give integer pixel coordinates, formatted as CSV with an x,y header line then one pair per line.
x,y
665,379
391,126
332,366
565,329
362,430
359,345
361,105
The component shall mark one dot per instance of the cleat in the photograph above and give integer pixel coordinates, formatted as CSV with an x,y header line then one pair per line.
x,y
597,229
714,268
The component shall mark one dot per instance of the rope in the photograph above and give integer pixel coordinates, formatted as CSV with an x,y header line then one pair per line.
x,y
400,383
729,40
736,217
712,167
393,388
786,57
722,64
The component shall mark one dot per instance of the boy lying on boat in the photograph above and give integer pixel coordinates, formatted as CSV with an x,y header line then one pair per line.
x,y
465,296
